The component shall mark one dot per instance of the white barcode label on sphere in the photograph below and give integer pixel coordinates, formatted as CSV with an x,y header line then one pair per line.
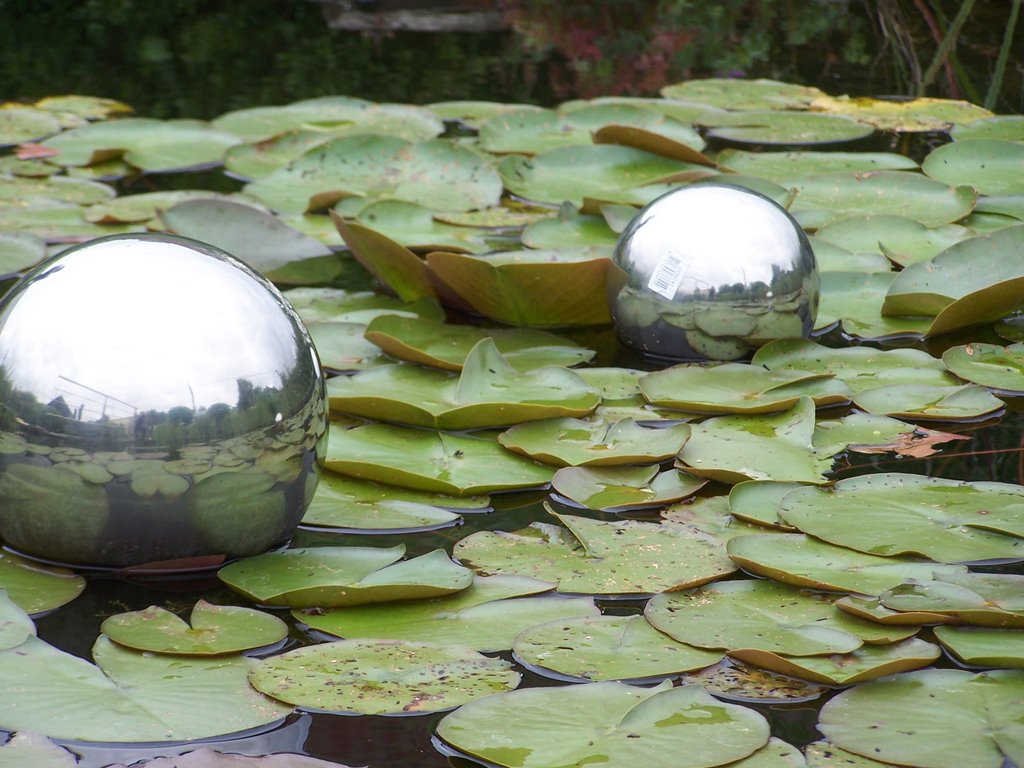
x,y
667,275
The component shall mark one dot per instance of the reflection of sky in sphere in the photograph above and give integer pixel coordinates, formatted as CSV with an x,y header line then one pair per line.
x,y
140,324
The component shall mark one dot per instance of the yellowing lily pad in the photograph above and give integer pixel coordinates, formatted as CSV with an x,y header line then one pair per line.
x,y
903,116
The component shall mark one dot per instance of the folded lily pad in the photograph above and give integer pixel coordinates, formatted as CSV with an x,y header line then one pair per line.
x,y
487,615
931,718
734,681
129,696
982,599
900,514
377,677
605,722
984,646
856,299
903,240
601,558
578,442
607,648
617,489
36,587
328,577
990,365
871,609
870,433
919,401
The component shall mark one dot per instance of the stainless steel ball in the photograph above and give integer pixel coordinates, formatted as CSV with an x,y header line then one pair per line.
x,y
159,400
711,271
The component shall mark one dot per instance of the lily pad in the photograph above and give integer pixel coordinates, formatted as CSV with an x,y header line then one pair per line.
x,y
870,433
394,265
419,226
793,558
318,304
376,677
991,166
607,648
63,188
916,401
856,299
129,696
871,609
896,719
743,94
785,128
903,116
783,166
618,489
578,442
605,722
982,599
1008,127
35,587
757,501
571,230
486,616
602,558
15,625
903,240
899,514
983,646
343,347
734,681
22,124
38,751
993,366
822,754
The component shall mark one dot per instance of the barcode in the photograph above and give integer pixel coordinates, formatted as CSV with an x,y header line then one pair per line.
x,y
667,275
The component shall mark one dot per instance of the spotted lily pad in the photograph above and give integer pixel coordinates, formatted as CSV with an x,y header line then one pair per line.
x,y
607,648
595,557
983,599
376,677
129,696
991,166
436,462
990,365
36,587
328,577
919,401
871,609
983,646
605,722
486,616
896,514
420,226
616,489
578,442
213,630
911,115
895,719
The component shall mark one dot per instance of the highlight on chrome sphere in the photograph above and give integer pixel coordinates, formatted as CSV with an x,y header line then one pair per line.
x,y
711,271
159,400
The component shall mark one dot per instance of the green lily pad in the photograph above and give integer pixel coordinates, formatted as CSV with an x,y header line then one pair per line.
x,y
142,208
617,489
328,577
38,751
734,681
793,558
435,173
488,392
418,226
871,609
15,625
898,719
983,599
318,304
486,616
618,386
571,230
259,158
832,196
1007,207
756,447
89,107
912,115
607,648
784,166
1007,127
918,401
578,442
785,128
55,221
856,299
602,558
35,587
993,366
208,758
446,346
343,347
759,615
899,514
79,191
870,433
822,754
868,662
394,265
904,240
149,145
214,630
737,388
436,462
471,112
129,696
376,677
741,94
22,124
711,515
605,722
991,166
538,289
834,258
983,646
757,501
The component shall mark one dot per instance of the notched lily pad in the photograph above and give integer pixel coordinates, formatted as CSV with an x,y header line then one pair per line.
x,y
1000,368
619,489
578,442
36,587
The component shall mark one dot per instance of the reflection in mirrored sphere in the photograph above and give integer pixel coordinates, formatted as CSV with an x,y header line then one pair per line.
x,y
159,400
710,271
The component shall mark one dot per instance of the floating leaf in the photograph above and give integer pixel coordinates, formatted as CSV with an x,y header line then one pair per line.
x,y
607,648
343,347
783,166
259,158
317,304
898,719
15,624
871,609
911,115
29,748
822,754
983,646
856,299
212,630
376,677
36,587
577,442
571,231
617,489
869,433
904,240
486,616
1008,127
742,94
916,401
128,696
208,758
991,166
785,128
733,681
394,265
895,514
328,577
834,258
596,557
605,722
22,124
990,365
418,226
80,191
757,501
983,599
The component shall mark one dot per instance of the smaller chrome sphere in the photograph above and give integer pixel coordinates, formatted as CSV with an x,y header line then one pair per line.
x,y
711,271
159,400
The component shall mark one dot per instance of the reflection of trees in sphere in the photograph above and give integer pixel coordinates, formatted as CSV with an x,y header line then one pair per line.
x,y
158,400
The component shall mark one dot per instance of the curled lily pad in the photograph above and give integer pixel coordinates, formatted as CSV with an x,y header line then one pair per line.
x,y
617,489
856,299
903,240
991,166
36,587
375,677
129,696
607,648
595,557
990,365
15,624
983,646
799,560
734,681
892,514
572,230
605,722
895,719
871,609
213,630
918,401
487,615
327,577
436,462
394,265
577,442
488,392
983,599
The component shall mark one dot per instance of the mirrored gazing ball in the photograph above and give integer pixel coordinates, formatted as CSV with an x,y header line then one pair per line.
x,y
711,271
159,400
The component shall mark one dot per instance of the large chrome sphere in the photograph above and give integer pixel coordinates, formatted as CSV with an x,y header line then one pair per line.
x,y
710,271
159,400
